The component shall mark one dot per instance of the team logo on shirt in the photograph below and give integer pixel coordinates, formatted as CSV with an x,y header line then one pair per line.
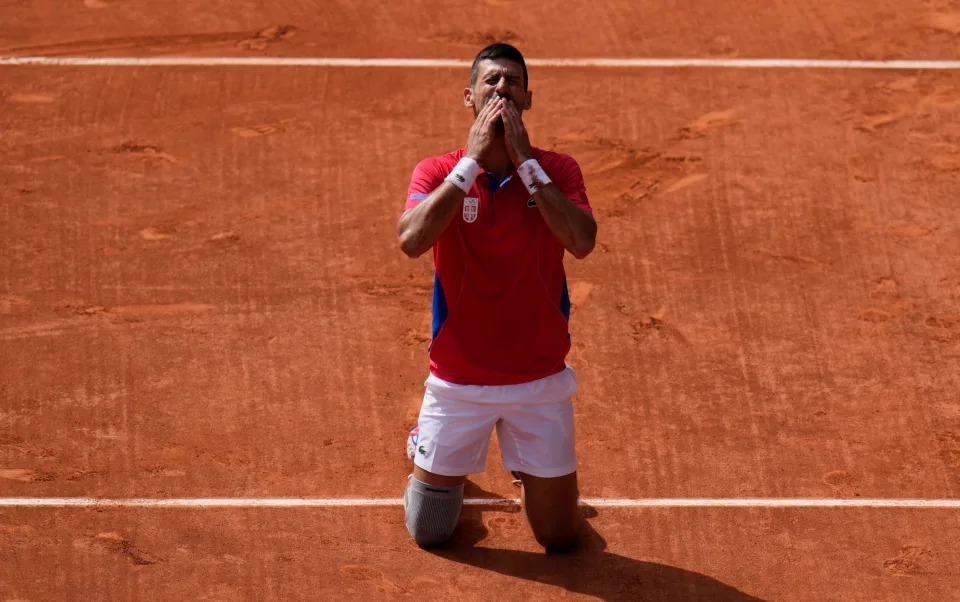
x,y
471,207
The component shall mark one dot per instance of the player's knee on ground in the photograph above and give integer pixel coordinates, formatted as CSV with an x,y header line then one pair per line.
x,y
557,538
552,510
557,544
431,511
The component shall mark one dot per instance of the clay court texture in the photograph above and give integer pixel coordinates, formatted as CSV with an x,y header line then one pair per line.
x,y
211,347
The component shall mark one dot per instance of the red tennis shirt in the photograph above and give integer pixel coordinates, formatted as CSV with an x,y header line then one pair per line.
x,y
500,303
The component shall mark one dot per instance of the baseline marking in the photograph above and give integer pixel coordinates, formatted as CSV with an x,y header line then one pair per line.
x,y
759,63
46,502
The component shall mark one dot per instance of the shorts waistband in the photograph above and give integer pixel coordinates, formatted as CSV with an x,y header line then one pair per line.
x,y
549,389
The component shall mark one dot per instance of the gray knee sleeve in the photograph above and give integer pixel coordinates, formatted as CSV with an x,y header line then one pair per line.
x,y
431,511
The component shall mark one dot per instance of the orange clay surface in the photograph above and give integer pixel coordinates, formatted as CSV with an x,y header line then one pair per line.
x,y
201,295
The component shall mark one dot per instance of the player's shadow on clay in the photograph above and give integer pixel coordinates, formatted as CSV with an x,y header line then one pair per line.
x,y
589,570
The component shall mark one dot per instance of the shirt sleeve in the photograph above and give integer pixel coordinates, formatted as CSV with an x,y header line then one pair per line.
x,y
567,177
425,179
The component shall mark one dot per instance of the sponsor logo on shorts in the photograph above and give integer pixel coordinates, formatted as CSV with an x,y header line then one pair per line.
x,y
471,208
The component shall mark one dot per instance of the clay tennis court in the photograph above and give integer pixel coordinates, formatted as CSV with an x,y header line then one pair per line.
x,y
202,298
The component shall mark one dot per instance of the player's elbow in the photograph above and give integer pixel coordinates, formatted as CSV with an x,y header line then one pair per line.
x,y
582,250
407,238
585,243
410,245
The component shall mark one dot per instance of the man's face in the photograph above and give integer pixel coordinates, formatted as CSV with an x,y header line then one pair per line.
x,y
496,78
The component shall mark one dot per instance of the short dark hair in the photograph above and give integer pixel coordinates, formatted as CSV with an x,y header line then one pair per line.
x,y
498,51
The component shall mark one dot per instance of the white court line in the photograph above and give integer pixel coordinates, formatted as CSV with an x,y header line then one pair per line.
x,y
186,61
594,502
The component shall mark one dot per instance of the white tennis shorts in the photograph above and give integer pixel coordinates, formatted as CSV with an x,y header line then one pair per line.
x,y
534,424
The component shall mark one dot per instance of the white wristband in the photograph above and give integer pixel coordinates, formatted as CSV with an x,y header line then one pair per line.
x,y
533,176
464,173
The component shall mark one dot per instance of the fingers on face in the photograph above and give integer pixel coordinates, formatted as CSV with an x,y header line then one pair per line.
x,y
496,111
488,114
490,105
511,116
485,109
511,110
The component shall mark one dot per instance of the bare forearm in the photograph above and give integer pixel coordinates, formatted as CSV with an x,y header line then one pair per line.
x,y
421,226
574,227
